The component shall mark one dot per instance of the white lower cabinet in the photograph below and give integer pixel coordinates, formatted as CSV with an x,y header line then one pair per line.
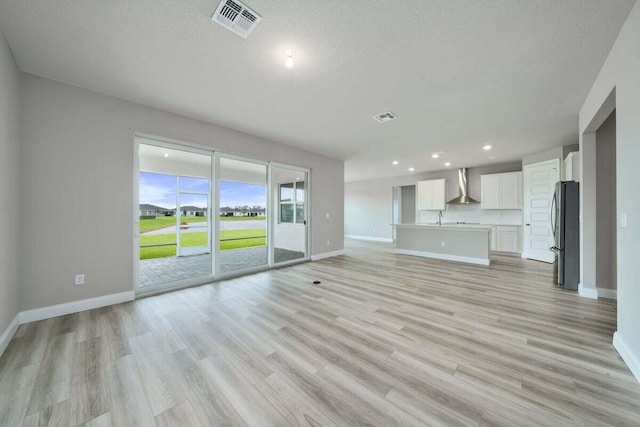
x,y
505,239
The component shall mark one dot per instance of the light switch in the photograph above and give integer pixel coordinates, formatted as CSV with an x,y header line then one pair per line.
x,y
623,220
326,215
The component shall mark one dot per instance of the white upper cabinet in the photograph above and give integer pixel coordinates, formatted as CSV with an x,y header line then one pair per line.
x,y
572,167
430,195
501,191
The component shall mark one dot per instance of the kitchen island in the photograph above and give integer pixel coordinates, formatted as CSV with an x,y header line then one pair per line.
x,y
452,242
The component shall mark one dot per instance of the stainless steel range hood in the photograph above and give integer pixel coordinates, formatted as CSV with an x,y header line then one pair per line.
x,y
464,198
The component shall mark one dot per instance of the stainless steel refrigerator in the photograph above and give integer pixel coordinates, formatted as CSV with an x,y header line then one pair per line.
x,y
565,225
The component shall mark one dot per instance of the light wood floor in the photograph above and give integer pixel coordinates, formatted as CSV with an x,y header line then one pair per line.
x,y
383,340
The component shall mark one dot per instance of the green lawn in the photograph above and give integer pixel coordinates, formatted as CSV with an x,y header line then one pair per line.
x,y
167,221
200,239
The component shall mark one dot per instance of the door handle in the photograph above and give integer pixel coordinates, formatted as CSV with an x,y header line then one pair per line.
x,y
528,225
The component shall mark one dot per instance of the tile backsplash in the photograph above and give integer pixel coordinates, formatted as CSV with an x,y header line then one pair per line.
x,y
473,214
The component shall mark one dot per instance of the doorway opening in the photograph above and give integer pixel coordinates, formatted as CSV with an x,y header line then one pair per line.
x,y
404,206
289,209
606,212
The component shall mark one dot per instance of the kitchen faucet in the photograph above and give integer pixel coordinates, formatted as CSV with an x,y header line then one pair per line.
x,y
439,217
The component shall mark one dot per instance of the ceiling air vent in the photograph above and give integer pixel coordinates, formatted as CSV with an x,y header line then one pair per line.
x,y
385,117
237,17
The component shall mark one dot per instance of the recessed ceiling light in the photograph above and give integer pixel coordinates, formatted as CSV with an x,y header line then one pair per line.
x,y
411,169
486,148
289,55
395,162
448,164
166,154
435,155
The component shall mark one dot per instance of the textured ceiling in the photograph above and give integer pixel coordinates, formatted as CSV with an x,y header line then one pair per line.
x,y
458,73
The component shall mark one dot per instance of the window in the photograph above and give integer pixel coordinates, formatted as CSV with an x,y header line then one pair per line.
x,y
292,196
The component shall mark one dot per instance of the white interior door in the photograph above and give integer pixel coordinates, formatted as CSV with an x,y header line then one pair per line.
x,y
539,186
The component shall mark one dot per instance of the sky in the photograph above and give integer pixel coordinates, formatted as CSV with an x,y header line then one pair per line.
x,y
160,190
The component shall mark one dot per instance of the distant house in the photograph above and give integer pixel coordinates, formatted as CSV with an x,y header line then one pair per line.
x,y
152,211
193,211
227,211
255,212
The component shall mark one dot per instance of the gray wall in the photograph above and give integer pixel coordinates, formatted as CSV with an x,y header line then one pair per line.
x,y
619,73
77,187
606,204
553,153
368,204
408,203
9,161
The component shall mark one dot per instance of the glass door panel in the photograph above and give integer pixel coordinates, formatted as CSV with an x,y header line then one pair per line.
x,y
175,221
193,234
290,210
242,219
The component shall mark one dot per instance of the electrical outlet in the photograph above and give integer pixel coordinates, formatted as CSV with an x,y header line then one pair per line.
x,y
442,243
326,215
328,242
623,220
79,279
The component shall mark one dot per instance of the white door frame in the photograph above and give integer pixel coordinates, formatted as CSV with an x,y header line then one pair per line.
x,y
307,212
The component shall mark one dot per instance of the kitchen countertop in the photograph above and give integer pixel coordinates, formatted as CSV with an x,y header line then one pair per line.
x,y
471,224
445,226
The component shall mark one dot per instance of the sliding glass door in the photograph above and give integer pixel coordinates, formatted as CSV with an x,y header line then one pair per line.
x,y
202,215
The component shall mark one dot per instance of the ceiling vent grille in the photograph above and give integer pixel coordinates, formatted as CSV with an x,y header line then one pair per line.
x,y
385,117
236,17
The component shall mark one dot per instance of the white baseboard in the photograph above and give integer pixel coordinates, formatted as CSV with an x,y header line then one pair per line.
x,y
445,257
607,293
372,239
327,255
632,360
74,307
9,333
587,292
513,254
